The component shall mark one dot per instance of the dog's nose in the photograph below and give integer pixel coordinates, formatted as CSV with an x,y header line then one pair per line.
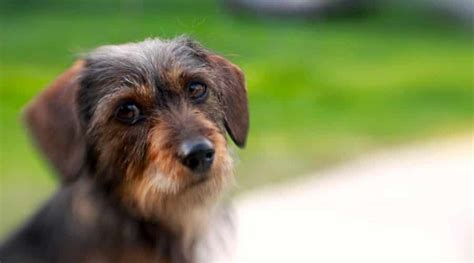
x,y
197,154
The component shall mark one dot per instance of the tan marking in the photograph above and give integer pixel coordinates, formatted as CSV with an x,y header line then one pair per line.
x,y
164,188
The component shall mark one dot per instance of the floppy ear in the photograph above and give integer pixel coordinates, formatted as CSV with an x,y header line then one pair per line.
x,y
233,95
52,122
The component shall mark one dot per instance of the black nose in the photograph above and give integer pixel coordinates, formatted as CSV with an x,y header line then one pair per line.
x,y
197,154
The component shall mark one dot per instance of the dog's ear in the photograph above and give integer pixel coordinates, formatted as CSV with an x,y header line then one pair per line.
x,y
52,122
233,96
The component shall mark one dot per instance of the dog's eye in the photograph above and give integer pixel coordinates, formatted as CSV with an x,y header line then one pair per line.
x,y
128,113
197,91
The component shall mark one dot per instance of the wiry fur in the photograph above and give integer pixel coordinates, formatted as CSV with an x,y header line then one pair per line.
x,y
127,197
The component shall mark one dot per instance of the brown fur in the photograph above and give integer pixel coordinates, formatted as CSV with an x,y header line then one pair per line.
x,y
58,100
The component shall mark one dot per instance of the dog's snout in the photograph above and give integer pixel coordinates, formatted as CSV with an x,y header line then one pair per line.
x,y
197,154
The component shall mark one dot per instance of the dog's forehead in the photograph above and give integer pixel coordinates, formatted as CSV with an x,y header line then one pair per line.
x,y
146,62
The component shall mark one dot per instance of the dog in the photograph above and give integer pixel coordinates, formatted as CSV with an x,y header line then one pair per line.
x,y
138,135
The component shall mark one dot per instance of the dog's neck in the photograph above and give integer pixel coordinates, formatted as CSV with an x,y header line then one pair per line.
x,y
94,208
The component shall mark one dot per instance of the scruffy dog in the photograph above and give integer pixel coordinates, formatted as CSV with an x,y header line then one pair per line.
x,y
138,134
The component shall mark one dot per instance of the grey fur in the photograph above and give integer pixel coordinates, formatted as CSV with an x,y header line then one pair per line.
x,y
143,63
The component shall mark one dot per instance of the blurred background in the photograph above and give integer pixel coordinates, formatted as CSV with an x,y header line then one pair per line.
x,y
328,80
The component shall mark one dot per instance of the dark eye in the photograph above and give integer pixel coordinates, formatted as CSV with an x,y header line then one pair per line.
x,y
128,113
197,91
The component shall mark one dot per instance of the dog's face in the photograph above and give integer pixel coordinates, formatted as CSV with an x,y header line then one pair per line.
x,y
149,122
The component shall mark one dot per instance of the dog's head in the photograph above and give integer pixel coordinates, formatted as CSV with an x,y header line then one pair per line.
x,y
148,120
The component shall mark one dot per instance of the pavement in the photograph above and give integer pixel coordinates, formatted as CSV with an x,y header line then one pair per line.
x,y
411,204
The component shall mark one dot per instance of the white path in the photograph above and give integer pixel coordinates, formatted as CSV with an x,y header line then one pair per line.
x,y
405,205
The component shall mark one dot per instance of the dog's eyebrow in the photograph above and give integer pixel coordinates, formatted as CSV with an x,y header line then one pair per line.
x,y
129,82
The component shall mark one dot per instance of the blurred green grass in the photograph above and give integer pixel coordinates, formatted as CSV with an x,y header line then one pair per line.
x,y
319,92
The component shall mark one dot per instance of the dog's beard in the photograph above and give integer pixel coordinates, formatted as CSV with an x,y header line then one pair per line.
x,y
174,201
